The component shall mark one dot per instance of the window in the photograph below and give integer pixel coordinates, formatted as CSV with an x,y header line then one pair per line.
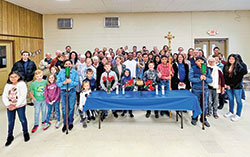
x,y
2,56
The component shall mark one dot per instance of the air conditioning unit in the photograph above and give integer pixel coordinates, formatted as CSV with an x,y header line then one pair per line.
x,y
65,23
112,22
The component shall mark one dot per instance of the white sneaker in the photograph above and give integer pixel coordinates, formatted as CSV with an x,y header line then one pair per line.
x,y
228,115
57,124
235,118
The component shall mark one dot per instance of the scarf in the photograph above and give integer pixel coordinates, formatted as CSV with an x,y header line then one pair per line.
x,y
215,76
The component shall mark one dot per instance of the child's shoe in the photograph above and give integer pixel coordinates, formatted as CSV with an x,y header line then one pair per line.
x,y
35,128
57,124
46,126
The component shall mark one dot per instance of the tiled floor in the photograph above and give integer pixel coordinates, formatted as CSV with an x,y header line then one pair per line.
x,y
133,137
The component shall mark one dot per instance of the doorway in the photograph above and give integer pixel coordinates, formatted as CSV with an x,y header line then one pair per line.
x,y
6,62
207,45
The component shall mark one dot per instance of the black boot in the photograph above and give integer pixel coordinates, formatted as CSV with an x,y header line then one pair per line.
x,y
71,127
9,140
26,137
148,114
115,114
64,128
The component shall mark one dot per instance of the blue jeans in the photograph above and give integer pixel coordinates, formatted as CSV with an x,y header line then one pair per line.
x,y
237,94
12,117
40,106
71,107
57,109
199,96
165,83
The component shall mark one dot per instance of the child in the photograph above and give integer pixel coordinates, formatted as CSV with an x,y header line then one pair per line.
x,y
125,79
54,71
196,78
153,75
163,68
91,79
14,98
37,95
93,113
59,64
86,90
217,86
103,83
52,98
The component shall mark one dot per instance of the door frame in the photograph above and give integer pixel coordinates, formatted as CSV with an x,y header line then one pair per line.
x,y
208,39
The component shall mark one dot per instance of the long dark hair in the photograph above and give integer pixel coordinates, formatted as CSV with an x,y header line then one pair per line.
x,y
88,52
14,72
183,61
227,65
76,58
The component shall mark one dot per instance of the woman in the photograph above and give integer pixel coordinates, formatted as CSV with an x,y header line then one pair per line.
x,y
181,70
233,74
14,98
157,60
99,70
88,54
74,58
118,68
190,53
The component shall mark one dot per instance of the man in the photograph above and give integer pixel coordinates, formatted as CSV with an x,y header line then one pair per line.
x,y
88,65
26,68
131,64
145,60
54,60
68,50
195,54
196,78
155,49
72,82
44,65
134,48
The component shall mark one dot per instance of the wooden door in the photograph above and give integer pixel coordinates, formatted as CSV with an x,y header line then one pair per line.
x,y
207,45
6,62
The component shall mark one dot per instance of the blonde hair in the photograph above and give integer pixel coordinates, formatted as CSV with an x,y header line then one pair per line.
x,y
83,83
38,72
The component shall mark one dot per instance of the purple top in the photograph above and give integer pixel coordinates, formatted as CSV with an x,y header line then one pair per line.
x,y
52,92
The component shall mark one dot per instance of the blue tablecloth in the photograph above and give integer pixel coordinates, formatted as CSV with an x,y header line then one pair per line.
x,y
144,100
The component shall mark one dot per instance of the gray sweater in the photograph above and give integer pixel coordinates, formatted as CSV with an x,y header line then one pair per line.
x,y
111,73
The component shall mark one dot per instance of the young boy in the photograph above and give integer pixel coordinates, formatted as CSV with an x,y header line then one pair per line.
x,y
72,82
196,78
37,95
91,113
91,79
163,68
153,75
103,83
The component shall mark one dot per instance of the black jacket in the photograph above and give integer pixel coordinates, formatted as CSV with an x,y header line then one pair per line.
x,y
235,81
175,80
31,68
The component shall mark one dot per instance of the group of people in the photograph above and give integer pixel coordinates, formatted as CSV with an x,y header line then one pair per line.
x,y
46,87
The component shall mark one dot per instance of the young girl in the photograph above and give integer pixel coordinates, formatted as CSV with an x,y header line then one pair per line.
x,y
52,98
14,98
86,90
125,79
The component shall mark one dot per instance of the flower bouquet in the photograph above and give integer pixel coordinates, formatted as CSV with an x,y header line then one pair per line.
x,y
108,81
130,83
149,85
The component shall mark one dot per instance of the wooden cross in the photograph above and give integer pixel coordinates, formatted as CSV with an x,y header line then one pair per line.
x,y
169,37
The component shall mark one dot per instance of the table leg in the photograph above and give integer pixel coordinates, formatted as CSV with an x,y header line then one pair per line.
x,y
99,119
177,114
181,120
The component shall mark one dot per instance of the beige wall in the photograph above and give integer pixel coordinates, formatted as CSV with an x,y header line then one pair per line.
x,y
149,29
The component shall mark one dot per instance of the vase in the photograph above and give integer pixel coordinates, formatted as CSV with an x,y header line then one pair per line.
x,y
108,87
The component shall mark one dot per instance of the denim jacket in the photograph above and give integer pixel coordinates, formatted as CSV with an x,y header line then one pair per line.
x,y
194,78
61,78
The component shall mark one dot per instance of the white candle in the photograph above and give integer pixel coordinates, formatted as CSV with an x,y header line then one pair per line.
x,y
156,89
123,90
117,89
162,90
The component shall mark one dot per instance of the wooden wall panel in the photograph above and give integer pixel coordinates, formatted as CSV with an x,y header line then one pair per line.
x,y
23,27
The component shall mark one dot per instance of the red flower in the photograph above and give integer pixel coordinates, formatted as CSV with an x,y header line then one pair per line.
x,y
112,77
151,87
109,79
130,82
150,81
104,78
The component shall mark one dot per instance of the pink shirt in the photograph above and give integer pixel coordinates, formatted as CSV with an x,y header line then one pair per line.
x,y
164,70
